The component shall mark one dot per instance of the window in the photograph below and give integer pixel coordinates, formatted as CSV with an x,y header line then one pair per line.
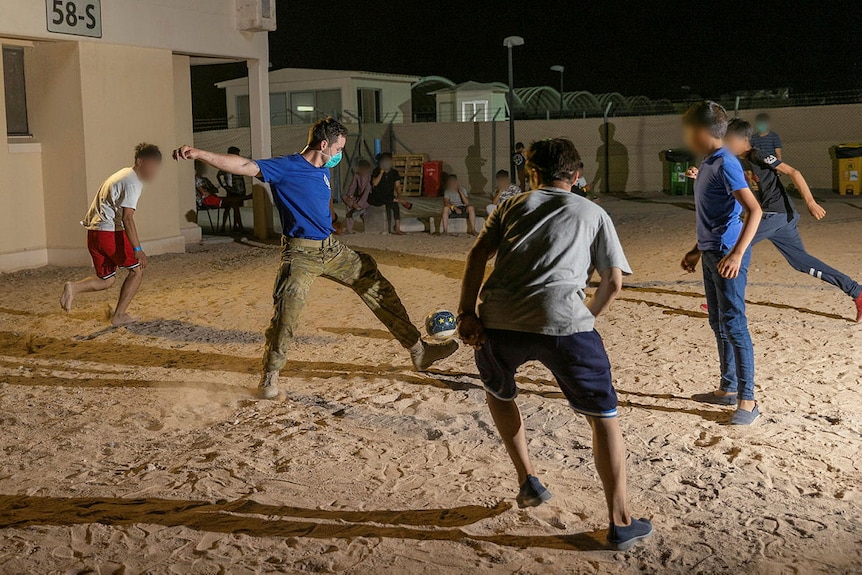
x,y
278,112
16,93
302,107
368,100
474,111
243,114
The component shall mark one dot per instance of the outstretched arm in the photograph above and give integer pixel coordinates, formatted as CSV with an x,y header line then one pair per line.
x,y
609,288
228,162
814,208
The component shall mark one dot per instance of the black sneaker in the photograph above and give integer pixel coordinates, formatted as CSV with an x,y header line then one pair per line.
x,y
532,493
622,538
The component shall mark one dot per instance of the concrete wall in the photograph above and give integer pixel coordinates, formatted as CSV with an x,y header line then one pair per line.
x,y
475,150
167,24
90,101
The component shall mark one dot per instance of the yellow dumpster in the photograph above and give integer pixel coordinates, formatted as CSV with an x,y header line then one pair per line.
x,y
849,159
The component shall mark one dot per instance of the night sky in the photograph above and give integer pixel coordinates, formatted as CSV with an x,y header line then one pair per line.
x,y
637,47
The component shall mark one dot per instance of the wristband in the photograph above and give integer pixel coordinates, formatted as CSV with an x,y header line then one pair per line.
x,y
138,249
462,315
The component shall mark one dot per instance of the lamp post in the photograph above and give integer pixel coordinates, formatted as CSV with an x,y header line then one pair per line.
x,y
561,70
510,42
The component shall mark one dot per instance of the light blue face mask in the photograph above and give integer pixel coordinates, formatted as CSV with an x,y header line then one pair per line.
x,y
333,160
762,128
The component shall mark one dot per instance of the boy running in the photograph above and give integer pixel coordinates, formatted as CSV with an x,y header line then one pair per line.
x,y
780,220
547,243
724,237
112,236
302,194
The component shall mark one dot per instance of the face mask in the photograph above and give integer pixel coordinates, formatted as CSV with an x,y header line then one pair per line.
x,y
762,128
333,160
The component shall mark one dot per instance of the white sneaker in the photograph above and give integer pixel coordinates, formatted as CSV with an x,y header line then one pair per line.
x,y
268,387
425,354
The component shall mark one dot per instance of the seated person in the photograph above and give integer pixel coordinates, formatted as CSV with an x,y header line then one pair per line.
x,y
456,204
505,189
207,194
580,186
356,198
234,186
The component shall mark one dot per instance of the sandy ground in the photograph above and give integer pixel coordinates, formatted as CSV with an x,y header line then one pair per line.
x,y
141,450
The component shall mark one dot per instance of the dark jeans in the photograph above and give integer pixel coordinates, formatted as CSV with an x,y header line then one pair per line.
x,y
726,301
784,236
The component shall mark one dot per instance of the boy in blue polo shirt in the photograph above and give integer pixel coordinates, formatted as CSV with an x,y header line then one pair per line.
x,y
723,240
302,193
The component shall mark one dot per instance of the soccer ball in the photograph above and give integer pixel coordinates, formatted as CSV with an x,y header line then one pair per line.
x,y
441,324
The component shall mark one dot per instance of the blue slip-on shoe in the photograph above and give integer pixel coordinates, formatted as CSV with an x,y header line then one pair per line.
x,y
622,538
714,399
745,417
532,493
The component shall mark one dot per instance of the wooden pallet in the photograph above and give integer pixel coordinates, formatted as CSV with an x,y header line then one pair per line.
x,y
410,168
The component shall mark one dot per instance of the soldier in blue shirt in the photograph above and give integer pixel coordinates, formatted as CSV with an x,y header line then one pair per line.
x,y
724,237
302,192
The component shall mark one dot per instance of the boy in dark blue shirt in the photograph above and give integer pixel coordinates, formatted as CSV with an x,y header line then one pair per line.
x,y
302,193
723,240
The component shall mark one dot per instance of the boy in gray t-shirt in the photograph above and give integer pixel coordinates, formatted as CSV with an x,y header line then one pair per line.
x,y
547,243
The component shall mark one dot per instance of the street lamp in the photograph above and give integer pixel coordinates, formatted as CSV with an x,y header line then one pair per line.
x,y
561,70
510,42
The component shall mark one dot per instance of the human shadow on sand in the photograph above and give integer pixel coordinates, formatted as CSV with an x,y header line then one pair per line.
x,y
176,330
255,519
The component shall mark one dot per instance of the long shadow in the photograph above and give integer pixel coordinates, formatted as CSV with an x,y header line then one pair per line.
x,y
709,415
641,200
17,345
17,511
774,305
359,332
41,380
669,310
176,330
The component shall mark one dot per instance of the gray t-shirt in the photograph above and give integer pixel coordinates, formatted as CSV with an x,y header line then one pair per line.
x,y
549,242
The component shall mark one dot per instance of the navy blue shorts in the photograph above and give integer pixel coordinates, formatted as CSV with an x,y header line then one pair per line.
x,y
579,363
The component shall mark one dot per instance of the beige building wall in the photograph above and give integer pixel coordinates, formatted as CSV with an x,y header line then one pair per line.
x,y
183,134
90,101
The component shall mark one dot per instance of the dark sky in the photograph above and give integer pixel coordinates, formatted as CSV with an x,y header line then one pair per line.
x,y
643,47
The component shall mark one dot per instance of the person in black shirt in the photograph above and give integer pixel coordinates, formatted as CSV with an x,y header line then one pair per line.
x,y
386,191
780,220
520,161
234,186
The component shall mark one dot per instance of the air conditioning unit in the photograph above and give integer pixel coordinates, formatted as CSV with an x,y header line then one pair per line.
x,y
255,15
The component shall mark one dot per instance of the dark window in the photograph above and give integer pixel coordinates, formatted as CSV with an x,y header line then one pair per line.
x,y
243,113
16,93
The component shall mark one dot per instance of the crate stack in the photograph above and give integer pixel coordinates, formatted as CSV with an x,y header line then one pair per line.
x,y
410,168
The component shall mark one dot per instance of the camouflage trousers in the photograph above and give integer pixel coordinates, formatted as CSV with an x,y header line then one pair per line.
x,y
302,262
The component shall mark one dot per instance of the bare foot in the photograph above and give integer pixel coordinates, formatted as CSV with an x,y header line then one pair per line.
x,y
67,297
399,233
122,319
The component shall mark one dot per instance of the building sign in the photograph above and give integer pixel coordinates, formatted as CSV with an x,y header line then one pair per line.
x,y
78,17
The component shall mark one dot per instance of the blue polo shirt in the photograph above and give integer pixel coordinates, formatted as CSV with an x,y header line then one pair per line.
x,y
302,193
719,215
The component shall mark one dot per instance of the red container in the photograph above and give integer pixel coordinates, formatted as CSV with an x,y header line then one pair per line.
x,y
432,179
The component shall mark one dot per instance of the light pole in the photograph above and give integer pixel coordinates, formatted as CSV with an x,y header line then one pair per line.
x,y
510,42
561,70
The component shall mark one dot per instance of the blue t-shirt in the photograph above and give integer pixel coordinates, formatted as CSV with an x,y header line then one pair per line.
x,y
719,215
302,193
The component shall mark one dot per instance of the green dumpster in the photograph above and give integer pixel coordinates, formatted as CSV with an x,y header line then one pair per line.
x,y
677,163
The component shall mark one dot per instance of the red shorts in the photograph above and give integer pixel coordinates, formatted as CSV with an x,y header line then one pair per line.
x,y
211,201
110,250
